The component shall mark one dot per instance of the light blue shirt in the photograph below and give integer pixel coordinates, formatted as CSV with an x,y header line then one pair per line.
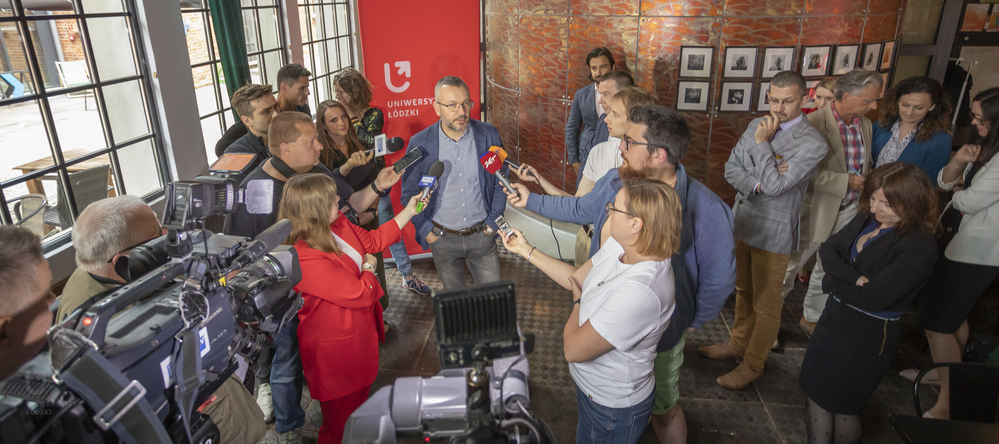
x,y
460,202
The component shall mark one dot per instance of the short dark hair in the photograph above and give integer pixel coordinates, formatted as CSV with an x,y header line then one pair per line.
x,y
357,86
667,129
937,119
290,73
247,93
284,129
622,78
908,191
20,256
785,79
599,51
990,118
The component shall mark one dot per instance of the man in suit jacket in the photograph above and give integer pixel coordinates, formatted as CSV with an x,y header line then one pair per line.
x,y
831,200
608,87
586,109
770,168
458,223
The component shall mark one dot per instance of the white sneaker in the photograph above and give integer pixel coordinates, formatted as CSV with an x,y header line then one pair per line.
x,y
265,402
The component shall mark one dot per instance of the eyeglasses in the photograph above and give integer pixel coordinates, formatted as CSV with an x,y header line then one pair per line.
x,y
787,102
977,117
454,106
610,207
628,143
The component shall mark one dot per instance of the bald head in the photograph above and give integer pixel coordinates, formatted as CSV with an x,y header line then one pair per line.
x,y
107,228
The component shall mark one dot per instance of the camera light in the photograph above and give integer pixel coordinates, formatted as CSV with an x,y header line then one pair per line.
x,y
87,321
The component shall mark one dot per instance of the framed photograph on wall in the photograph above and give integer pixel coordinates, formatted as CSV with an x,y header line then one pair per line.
x,y
888,55
886,77
736,96
815,61
845,59
692,96
872,56
777,59
740,61
810,96
696,61
763,103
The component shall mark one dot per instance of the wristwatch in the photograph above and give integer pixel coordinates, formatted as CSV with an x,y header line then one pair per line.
x,y
380,193
488,230
368,267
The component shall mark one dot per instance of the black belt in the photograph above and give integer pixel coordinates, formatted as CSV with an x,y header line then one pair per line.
x,y
464,231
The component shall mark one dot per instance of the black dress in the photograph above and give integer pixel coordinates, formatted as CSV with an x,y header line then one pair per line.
x,y
858,333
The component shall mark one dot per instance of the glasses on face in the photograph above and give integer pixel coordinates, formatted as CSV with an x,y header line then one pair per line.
x,y
786,102
466,105
610,207
976,118
628,143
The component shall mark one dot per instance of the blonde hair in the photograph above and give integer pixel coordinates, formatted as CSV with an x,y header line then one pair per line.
x,y
658,206
308,201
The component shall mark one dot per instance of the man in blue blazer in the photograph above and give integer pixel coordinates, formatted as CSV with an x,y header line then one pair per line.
x,y
458,224
585,110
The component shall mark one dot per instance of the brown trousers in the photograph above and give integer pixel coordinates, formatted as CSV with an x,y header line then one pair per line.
x,y
758,283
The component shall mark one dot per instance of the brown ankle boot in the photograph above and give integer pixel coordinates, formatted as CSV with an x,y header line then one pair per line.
x,y
740,377
720,351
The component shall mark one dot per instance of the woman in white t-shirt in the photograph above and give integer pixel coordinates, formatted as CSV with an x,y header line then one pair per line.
x,y
620,310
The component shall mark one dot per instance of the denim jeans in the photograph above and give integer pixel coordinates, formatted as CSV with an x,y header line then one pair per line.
x,y
398,249
605,425
478,250
286,380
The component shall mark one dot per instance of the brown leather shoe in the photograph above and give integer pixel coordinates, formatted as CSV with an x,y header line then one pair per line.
x,y
720,351
808,327
740,377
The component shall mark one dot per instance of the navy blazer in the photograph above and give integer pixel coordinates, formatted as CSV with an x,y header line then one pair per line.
x,y
582,124
493,196
600,136
930,156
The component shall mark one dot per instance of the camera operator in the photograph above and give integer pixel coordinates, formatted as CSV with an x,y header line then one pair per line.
x,y
107,230
24,302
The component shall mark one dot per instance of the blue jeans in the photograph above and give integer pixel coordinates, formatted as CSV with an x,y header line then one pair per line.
x,y
605,425
398,249
286,380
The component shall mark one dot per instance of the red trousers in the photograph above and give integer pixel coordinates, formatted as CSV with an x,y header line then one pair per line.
x,y
335,414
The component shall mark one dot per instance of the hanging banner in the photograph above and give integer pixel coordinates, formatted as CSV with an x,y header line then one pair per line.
x,y
406,47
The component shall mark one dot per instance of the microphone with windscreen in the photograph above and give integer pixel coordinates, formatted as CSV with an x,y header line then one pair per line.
x,y
492,163
429,183
384,146
503,156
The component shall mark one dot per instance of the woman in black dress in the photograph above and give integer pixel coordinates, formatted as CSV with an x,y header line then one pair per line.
x,y
875,267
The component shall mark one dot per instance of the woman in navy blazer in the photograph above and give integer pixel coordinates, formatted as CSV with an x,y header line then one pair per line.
x,y
913,127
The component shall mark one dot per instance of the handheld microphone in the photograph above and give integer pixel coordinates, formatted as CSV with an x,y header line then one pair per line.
x,y
492,163
266,241
385,146
503,156
429,182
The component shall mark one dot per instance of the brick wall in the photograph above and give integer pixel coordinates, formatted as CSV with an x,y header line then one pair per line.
x,y
197,47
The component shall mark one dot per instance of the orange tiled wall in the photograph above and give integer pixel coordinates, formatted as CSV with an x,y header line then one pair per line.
x,y
536,50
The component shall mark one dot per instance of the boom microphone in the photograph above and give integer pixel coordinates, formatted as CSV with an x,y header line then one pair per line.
x,y
429,182
492,163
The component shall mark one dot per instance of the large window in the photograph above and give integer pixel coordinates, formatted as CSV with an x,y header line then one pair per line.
x,y
75,123
326,44
264,35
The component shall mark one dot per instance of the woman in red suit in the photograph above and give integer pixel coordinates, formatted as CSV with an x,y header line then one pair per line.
x,y
341,321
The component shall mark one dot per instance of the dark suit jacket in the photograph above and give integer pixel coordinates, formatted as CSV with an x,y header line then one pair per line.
x,y
930,156
897,267
582,124
601,135
493,196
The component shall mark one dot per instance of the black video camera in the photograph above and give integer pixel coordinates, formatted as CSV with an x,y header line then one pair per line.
x,y
133,364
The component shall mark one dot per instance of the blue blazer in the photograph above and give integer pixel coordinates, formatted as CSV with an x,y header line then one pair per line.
x,y
582,124
930,156
600,136
493,196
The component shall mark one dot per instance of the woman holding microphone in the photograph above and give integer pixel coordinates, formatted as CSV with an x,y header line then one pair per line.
x,y
622,303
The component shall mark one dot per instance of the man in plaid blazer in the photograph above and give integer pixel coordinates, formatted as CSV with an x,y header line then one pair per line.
x,y
770,168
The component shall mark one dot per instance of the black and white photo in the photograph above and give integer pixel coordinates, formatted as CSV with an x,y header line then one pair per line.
x,y
872,56
815,61
845,59
736,96
696,61
777,59
763,104
692,96
740,61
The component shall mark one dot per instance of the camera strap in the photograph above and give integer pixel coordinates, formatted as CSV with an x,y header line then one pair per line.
x,y
288,172
282,167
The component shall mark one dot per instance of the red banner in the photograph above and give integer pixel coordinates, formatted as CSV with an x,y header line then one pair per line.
x,y
407,46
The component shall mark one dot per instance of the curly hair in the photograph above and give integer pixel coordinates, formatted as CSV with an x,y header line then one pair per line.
x,y
357,86
328,157
937,119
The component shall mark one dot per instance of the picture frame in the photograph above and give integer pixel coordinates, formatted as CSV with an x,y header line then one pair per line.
x,y
736,97
692,95
886,78
845,59
777,59
810,94
740,61
762,102
888,55
815,61
872,56
696,61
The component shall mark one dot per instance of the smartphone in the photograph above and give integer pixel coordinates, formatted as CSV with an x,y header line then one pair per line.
x,y
410,158
504,226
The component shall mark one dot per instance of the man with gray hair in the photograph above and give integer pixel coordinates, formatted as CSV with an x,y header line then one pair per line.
x,y
770,168
458,223
24,302
831,200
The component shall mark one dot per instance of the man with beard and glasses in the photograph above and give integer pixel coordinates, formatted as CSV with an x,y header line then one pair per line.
x,y
770,168
652,148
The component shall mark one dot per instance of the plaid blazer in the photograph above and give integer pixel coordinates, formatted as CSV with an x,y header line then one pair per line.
x,y
770,220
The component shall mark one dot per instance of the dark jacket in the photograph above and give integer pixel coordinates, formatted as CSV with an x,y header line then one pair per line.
x,y
930,156
581,125
896,266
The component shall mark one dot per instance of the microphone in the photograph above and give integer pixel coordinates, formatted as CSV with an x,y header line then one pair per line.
x,y
429,182
503,156
270,239
385,146
492,163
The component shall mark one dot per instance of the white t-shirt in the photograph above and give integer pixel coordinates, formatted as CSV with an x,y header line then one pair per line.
x,y
605,156
631,310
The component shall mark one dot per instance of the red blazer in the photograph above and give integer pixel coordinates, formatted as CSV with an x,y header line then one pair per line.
x,y
341,320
